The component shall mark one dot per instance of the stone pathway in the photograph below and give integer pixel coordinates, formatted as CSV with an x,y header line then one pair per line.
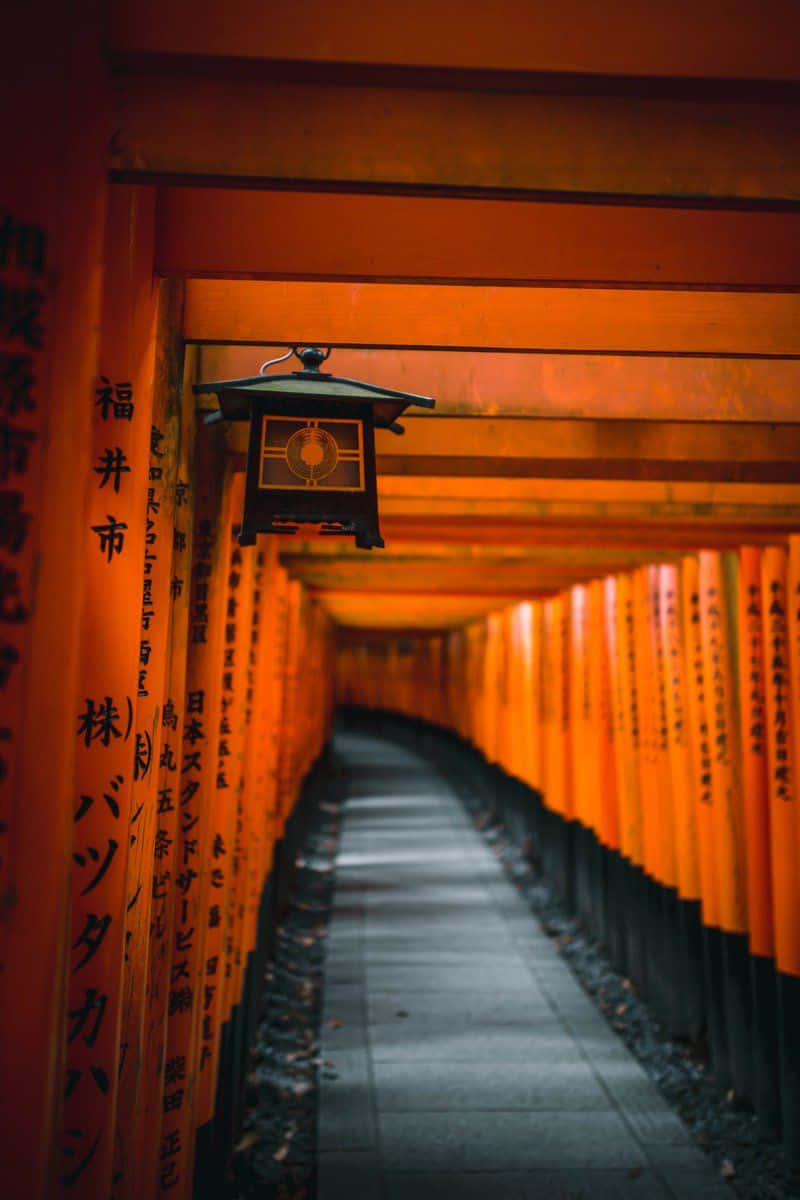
x,y
468,1062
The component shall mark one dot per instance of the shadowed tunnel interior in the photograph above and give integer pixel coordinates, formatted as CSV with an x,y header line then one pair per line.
x,y
466,1056
576,228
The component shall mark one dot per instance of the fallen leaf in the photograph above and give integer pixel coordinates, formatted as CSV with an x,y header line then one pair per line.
x,y
634,1172
245,1142
727,1170
334,1023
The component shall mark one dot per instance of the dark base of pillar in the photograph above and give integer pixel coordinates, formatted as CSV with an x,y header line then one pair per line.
x,y
208,1164
715,1005
789,1041
637,908
739,1014
766,1045
690,935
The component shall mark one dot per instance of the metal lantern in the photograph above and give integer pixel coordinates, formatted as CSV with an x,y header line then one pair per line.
x,y
311,450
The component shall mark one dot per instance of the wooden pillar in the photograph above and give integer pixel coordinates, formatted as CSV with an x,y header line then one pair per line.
x,y
602,719
582,748
234,716
782,699
173,528
109,755
55,122
152,670
193,864
679,732
626,706
718,658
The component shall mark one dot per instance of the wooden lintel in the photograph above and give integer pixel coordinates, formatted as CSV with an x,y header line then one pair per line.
x,y
720,39
743,452
523,319
454,139
698,470
249,233
657,534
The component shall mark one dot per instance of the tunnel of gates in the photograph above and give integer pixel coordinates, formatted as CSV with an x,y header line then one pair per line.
x,y
582,237
642,735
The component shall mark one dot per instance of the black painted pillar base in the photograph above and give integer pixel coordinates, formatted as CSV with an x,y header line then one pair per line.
x,y
617,914
690,934
766,1045
209,1164
739,1013
637,927
789,1034
715,1005
673,963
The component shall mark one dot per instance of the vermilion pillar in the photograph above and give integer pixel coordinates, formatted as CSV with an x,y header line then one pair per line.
x,y
54,95
195,790
110,753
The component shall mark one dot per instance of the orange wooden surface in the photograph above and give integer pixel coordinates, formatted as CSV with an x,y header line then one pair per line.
x,y
588,320
321,235
779,619
753,739
111,753
232,732
649,782
719,649
679,732
628,722
660,749
193,864
607,801
492,683
793,635
581,727
166,866
560,385
61,194
145,870
395,136
699,709
577,37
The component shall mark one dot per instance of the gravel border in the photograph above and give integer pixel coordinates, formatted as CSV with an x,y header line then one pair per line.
x,y
274,1158
754,1167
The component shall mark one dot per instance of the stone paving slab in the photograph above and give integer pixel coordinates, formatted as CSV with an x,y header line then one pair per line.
x,y
463,1058
506,1141
566,1083
564,1184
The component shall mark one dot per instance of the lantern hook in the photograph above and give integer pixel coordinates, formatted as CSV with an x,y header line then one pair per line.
x,y
262,370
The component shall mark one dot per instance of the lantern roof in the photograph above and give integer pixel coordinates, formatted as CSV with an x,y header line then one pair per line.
x,y
309,383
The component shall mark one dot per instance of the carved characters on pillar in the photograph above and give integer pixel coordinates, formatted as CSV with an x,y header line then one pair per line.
x,y
23,304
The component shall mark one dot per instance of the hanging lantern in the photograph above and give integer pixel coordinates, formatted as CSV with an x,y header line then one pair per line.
x,y
311,449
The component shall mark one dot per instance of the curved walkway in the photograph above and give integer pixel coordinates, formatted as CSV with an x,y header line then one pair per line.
x,y
463,1059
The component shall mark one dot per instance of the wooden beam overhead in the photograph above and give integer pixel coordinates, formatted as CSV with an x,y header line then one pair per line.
x,y
533,319
662,532
406,610
558,385
512,579
544,448
315,235
454,141
718,39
